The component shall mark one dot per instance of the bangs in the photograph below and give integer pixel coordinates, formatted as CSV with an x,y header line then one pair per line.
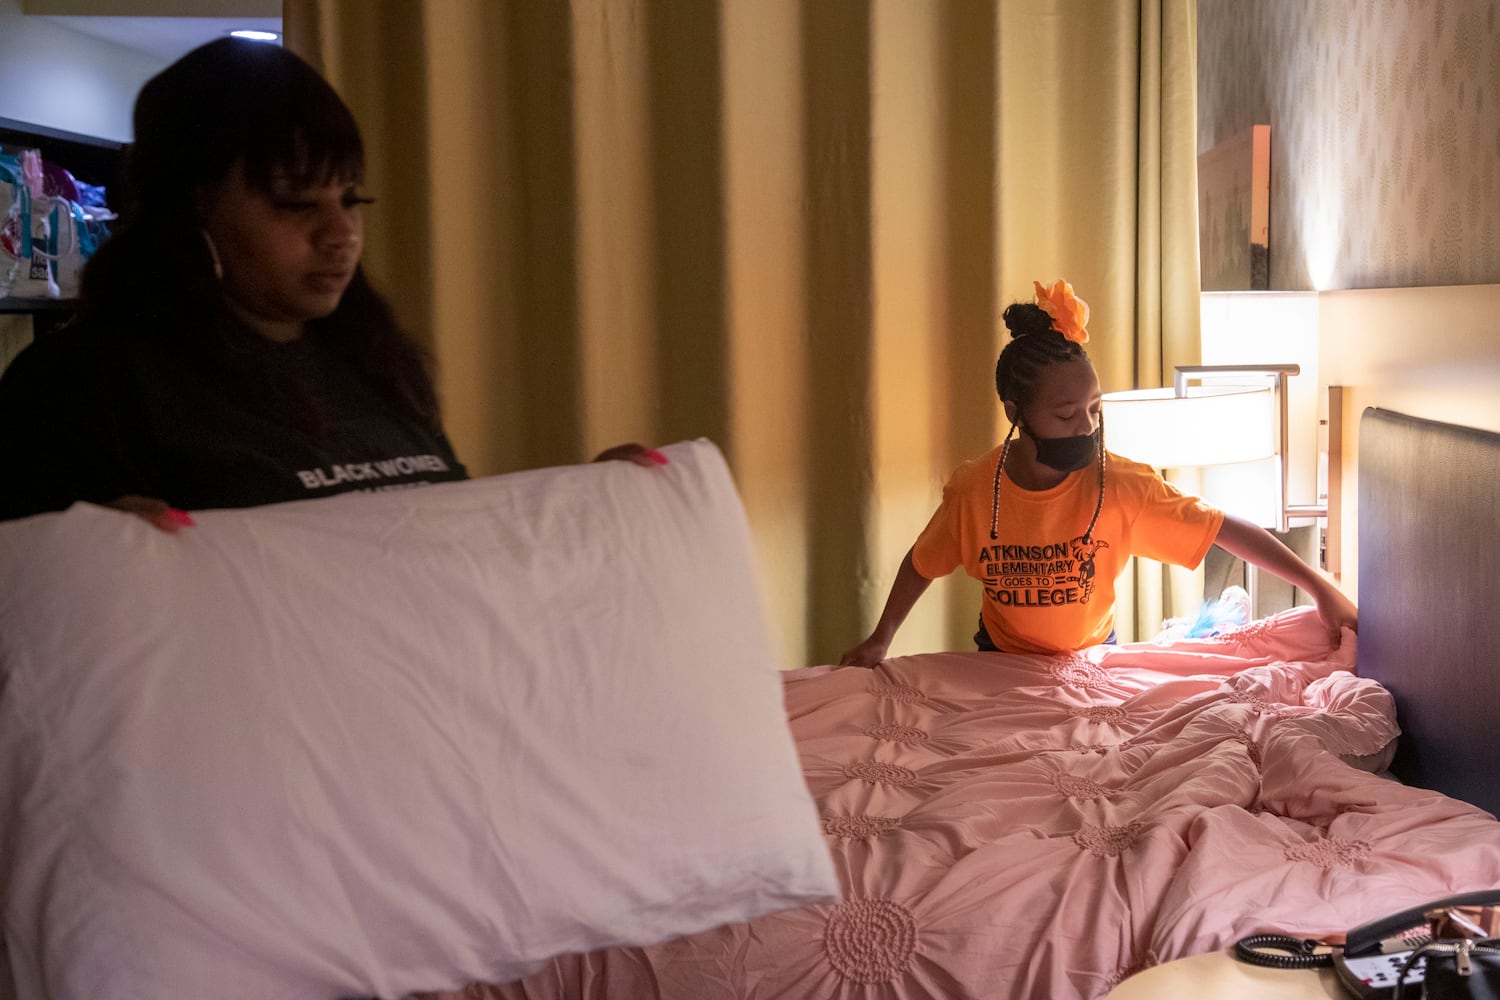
x,y
288,125
309,150
233,101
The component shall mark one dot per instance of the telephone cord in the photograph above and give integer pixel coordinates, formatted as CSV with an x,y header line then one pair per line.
x,y
1280,951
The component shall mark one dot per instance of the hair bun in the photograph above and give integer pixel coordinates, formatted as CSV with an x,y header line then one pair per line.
x,y
1026,319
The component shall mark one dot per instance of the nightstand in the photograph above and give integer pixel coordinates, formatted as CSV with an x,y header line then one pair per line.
x,y
1220,976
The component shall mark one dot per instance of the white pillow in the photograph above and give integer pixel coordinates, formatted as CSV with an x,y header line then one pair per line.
x,y
394,741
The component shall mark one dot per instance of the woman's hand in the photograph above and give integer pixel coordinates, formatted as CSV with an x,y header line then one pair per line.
x,y
867,654
632,452
154,512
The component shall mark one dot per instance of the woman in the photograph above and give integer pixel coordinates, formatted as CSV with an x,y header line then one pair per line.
x,y
229,351
1047,520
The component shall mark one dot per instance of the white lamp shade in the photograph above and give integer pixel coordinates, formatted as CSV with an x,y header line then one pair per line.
x,y
1211,425
1246,489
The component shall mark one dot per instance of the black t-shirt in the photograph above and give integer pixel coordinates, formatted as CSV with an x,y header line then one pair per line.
x,y
93,414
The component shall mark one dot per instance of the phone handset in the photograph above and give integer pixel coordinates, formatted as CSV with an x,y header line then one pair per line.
x,y
1380,956
1367,938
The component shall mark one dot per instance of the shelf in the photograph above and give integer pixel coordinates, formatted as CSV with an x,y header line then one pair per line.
x,y
89,158
35,305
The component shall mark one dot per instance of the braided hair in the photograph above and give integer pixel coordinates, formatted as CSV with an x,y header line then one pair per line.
x,y
1034,347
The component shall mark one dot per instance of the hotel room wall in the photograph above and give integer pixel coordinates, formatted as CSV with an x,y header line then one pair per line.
x,y
1385,195
1385,149
1430,352
63,79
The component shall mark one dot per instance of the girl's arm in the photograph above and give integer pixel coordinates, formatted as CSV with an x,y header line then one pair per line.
x,y
908,587
1256,545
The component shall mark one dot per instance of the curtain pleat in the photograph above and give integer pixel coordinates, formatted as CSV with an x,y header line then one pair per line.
x,y
785,225
1167,275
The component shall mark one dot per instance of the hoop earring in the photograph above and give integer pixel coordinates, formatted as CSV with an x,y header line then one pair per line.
x,y
213,254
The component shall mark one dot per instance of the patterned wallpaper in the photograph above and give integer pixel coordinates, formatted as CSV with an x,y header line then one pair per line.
x,y
1385,133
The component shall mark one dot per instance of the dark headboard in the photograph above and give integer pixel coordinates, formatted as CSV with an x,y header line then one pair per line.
x,y
1429,580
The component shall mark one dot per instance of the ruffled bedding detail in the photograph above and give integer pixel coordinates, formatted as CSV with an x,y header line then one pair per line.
x,y
1026,826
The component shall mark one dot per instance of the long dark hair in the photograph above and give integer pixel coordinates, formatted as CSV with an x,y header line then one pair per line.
x,y
225,103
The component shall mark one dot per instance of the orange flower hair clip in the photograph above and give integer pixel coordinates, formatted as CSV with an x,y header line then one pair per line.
x,y
1070,314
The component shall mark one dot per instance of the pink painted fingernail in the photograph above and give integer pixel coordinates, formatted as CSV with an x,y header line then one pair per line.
x,y
180,517
657,457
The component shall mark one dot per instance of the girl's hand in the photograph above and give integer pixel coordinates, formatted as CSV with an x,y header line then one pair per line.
x,y
632,452
1338,613
154,512
867,654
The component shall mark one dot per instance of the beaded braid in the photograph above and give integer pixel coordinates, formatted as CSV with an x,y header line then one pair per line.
x,y
999,467
1088,535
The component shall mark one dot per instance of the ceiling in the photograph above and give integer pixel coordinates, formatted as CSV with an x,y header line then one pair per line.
x,y
163,38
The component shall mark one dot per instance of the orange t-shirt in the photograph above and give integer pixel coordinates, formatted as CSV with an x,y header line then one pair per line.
x,y
1044,591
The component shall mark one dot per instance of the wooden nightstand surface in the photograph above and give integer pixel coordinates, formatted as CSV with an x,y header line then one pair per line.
x,y
1219,976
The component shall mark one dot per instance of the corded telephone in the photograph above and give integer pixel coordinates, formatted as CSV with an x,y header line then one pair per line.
x,y
1374,953
1458,932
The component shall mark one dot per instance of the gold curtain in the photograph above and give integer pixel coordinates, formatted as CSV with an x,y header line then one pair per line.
x,y
786,225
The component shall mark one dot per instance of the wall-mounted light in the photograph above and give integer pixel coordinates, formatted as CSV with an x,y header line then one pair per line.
x,y
1191,425
256,35
1215,415
1221,430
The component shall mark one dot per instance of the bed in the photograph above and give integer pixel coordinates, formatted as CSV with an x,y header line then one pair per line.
x,y
1009,826
997,826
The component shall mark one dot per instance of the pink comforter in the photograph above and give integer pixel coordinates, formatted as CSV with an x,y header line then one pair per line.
x,y
1024,826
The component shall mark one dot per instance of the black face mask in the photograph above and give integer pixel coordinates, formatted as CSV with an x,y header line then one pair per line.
x,y
1066,454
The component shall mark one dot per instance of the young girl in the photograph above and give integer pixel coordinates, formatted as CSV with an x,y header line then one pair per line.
x,y
1047,520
